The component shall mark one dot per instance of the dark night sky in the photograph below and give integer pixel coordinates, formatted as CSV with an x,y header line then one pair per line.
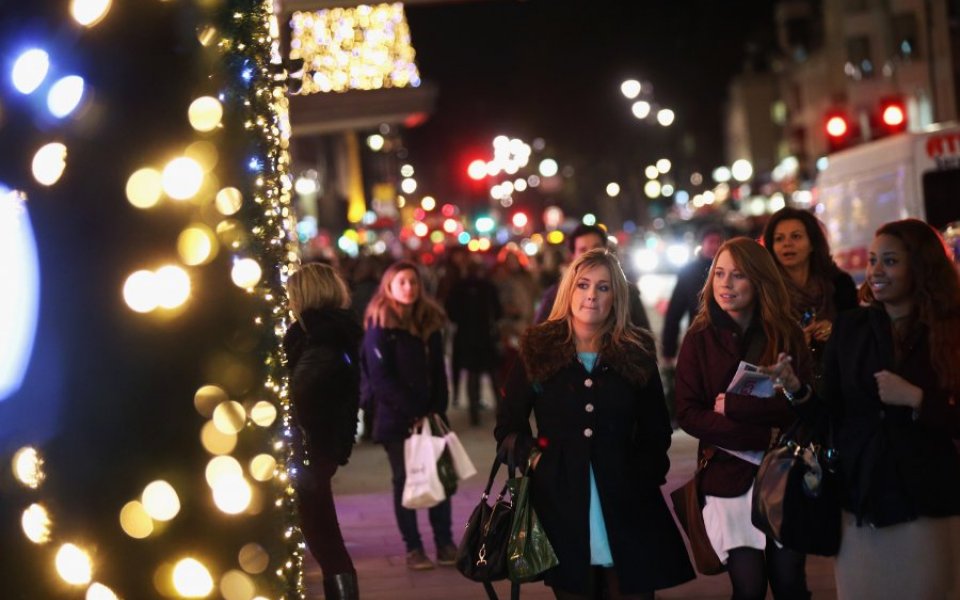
x,y
553,69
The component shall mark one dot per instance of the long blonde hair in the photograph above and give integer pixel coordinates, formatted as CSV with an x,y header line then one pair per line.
x,y
316,286
422,319
618,326
770,293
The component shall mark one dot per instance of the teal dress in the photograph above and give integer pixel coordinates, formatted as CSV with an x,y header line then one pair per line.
x,y
599,544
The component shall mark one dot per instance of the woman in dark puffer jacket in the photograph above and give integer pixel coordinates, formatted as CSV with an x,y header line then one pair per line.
x,y
322,348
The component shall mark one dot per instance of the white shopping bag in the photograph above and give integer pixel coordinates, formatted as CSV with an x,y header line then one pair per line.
x,y
421,451
461,460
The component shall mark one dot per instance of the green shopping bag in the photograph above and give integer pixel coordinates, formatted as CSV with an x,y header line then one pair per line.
x,y
529,552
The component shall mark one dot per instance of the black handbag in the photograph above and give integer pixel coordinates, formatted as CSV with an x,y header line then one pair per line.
x,y
796,496
688,506
482,555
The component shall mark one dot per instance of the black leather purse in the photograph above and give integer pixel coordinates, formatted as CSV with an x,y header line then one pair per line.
x,y
482,555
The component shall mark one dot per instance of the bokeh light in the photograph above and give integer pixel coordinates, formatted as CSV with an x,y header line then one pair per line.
x,y
160,501
98,591
253,558
73,565
228,201
207,398
35,522
237,585
220,468
630,88
215,441
28,467
182,178
229,417
65,95
172,286
191,579
197,245
139,291
144,188
262,467
49,163
135,521
88,13
263,413
232,494
29,70
205,113
246,273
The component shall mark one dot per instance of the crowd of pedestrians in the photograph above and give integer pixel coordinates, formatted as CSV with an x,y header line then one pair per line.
x,y
880,362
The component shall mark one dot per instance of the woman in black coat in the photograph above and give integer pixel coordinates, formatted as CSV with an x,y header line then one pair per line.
x,y
322,347
893,383
591,379
744,316
406,380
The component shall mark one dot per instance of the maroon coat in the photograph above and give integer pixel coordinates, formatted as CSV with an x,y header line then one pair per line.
x,y
707,362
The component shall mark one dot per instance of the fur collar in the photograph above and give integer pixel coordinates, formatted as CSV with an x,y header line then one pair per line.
x,y
545,350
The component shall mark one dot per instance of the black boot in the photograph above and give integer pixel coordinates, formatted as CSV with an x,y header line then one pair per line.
x,y
342,586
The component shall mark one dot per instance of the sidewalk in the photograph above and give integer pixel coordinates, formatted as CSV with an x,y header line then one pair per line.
x,y
365,508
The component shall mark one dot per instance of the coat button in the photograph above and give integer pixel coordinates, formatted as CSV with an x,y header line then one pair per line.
x,y
588,407
587,432
588,382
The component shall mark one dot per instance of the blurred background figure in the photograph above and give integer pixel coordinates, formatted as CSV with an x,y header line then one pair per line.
x,y
322,347
449,273
892,379
819,290
518,291
474,308
406,377
583,239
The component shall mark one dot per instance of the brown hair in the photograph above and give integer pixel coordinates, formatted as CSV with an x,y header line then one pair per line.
x,y
936,293
316,286
422,319
772,301
618,327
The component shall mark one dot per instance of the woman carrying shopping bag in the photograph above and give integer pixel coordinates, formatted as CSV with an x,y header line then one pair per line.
x,y
591,379
405,373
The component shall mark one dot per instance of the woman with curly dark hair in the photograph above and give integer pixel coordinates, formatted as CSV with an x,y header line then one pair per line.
x,y
892,382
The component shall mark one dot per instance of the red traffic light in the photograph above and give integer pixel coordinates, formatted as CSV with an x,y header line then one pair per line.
x,y
838,129
836,126
893,116
477,169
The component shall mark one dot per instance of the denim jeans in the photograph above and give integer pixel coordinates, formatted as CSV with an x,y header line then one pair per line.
x,y
406,518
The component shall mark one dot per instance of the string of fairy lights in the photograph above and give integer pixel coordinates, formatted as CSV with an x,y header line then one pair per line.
x,y
248,112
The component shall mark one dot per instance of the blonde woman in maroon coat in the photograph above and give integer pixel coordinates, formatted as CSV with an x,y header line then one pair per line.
x,y
745,316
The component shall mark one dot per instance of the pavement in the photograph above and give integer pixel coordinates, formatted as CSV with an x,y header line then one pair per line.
x,y
365,508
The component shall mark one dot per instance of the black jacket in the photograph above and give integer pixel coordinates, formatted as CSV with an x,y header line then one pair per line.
x,y
612,421
323,358
406,379
895,468
685,300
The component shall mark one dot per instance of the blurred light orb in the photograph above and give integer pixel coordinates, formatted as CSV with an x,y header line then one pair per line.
x,y
35,522
519,220
428,203
205,153
548,167
28,467
477,169
666,190
196,245
215,441
630,88
645,260
232,494
135,521
406,170
652,188
144,188
253,558
229,417
231,234
262,467
221,468
408,185
73,565
228,201
741,169
678,254
722,174
160,500
172,286
207,398
246,273
205,113
182,178
263,413
306,186
29,70
49,163
589,219
88,13
237,585
375,142
65,95
613,189
665,117
640,109
191,579
651,172
98,591
140,291
664,165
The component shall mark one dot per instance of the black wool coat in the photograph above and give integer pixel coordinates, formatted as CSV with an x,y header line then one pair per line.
x,y
895,466
615,419
406,380
323,357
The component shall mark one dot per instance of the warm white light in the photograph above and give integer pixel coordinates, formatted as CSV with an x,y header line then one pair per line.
x,y
160,500
144,188
263,413
229,416
721,174
191,579
172,286
135,521
35,523
88,13
640,109
613,189
645,260
741,170
182,178
253,558
407,170
408,185
73,565
652,188
246,273
651,172
28,467
232,495
98,591
678,254
428,203
221,468
477,169
205,113
139,291
262,467
665,117
237,585
29,70
306,186
548,167
215,441
229,200
375,142
666,190
630,88
65,95
49,163
196,245
664,165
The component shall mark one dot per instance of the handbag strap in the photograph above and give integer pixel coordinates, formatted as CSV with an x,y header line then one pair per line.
x,y
442,427
705,457
492,593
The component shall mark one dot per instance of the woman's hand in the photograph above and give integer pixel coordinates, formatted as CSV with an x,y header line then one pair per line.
x,y
719,405
897,391
818,330
782,374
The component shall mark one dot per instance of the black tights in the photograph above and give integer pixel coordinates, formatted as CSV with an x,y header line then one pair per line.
x,y
749,568
605,586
